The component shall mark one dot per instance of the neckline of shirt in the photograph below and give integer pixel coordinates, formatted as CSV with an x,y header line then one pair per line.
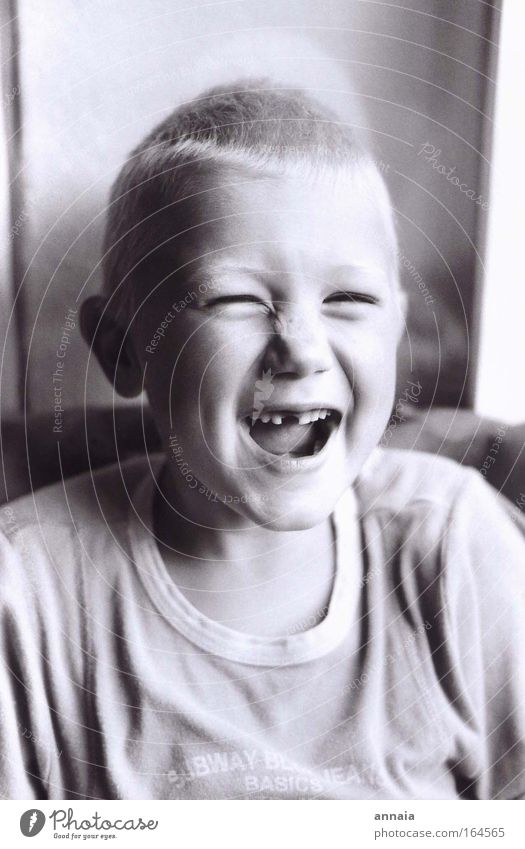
x,y
238,646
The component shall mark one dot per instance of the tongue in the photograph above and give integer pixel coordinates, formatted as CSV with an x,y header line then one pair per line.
x,y
286,438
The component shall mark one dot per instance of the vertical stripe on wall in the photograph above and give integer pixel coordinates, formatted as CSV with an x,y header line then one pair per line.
x,y
13,214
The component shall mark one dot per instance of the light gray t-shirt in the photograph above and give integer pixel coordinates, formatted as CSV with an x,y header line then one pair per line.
x,y
112,685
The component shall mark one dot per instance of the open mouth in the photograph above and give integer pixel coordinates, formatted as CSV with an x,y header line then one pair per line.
x,y
293,432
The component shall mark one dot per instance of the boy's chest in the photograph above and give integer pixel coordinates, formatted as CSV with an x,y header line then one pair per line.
x,y
197,728
276,599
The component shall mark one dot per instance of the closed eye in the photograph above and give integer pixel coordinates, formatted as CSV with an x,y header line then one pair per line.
x,y
351,298
234,299
238,306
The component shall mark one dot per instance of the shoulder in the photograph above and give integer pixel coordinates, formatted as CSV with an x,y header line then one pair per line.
x,y
435,523
46,536
80,501
407,485
396,481
408,498
403,489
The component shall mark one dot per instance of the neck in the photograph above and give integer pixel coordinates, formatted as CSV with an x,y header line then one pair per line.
x,y
202,528
244,575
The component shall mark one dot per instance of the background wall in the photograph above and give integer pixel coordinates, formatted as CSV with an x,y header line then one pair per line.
x,y
93,77
500,381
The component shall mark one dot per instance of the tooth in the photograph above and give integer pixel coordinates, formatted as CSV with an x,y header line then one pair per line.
x,y
323,414
276,419
265,417
304,418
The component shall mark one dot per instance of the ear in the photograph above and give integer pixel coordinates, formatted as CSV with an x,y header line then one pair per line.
x,y
113,346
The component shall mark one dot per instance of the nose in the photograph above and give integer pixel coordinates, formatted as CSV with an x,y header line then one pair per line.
x,y
298,345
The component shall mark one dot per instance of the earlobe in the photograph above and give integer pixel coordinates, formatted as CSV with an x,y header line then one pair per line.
x,y
112,345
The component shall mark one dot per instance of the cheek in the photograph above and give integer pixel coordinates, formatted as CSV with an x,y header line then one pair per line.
x,y
379,367
369,355
217,366
370,368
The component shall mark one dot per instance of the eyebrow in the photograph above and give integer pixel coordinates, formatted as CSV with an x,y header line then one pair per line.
x,y
342,276
255,272
229,269
361,269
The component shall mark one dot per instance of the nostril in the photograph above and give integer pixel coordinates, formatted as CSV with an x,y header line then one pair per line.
x,y
294,355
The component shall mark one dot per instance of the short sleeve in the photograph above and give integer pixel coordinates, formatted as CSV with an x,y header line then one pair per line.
x,y
484,608
24,733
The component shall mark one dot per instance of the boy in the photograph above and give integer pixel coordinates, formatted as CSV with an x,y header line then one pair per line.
x,y
273,608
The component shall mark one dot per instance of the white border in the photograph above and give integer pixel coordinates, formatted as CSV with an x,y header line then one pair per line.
x,y
500,384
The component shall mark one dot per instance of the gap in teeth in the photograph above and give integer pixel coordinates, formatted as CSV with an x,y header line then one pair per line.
x,y
303,418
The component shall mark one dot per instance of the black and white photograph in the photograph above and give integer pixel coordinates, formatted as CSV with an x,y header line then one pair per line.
x,y
262,520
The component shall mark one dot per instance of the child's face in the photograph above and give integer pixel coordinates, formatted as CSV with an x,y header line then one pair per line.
x,y
287,307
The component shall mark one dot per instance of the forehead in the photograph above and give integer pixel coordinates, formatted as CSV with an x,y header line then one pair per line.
x,y
332,218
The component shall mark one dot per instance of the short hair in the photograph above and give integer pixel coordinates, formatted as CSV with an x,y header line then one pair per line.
x,y
250,123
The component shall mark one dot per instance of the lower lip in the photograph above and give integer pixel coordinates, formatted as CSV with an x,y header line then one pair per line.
x,y
284,463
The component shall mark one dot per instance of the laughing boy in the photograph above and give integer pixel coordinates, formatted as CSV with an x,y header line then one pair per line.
x,y
274,607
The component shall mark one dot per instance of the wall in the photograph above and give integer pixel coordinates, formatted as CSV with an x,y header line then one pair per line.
x,y
95,76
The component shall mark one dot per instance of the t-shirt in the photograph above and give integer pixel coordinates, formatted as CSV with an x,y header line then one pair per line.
x,y
412,686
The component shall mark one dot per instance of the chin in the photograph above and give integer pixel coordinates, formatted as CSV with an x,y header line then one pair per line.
x,y
289,513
